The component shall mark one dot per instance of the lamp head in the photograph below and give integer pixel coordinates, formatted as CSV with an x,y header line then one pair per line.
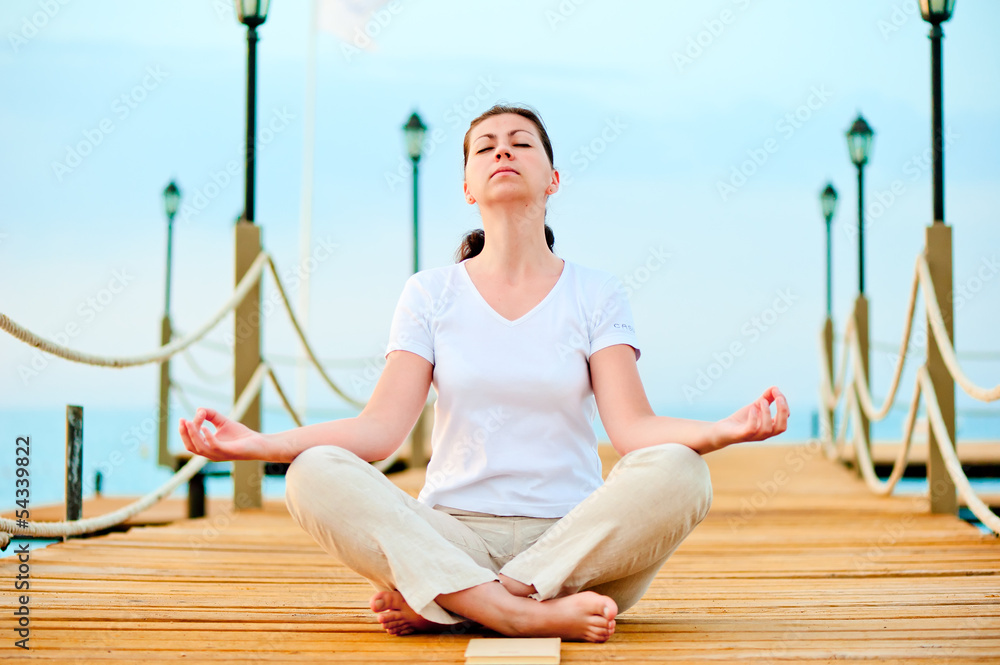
x,y
252,13
414,131
828,200
171,199
859,141
936,11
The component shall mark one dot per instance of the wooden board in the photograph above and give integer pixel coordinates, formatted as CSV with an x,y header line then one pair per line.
x,y
796,561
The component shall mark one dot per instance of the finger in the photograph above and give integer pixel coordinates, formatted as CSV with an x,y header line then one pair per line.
x,y
195,435
199,418
210,437
766,424
214,417
184,436
781,418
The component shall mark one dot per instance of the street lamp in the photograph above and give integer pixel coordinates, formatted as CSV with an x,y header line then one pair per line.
x,y
171,202
937,12
251,13
859,143
938,246
828,200
414,131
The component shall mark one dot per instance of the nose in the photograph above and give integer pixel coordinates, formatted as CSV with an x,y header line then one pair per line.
x,y
502,151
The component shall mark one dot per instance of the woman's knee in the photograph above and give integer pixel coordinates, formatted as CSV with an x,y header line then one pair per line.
x,y
312,470
678,469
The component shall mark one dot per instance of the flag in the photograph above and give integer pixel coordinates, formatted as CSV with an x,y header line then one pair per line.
x,y
357,22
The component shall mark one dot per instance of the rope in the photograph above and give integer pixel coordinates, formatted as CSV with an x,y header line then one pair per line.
x,y
944,342
947,449
863,453
381,465
305,343
831,394
860,376
185,473
249,280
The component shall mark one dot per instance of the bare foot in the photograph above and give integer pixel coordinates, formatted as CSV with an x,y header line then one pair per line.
x,y
398,618
587,615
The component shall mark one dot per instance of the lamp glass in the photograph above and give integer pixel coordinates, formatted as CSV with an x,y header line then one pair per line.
x,y
414,130
252,10
828,199
171,199
936,11
859,141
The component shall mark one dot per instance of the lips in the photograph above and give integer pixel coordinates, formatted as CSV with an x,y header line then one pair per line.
x,y
504,170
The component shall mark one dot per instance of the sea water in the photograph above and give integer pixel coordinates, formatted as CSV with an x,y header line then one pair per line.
x,y
121,444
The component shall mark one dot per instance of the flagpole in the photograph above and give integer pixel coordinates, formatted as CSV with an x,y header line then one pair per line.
x,y
305,206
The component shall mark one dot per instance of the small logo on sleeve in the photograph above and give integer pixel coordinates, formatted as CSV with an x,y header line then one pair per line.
x,y
624,326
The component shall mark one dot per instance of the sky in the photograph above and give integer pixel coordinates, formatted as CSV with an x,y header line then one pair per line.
x,y
692,139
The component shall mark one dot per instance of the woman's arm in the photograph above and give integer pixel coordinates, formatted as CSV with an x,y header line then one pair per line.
x,y
374,434
631,423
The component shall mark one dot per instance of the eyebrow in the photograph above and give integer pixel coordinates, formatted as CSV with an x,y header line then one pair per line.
x,y
511,133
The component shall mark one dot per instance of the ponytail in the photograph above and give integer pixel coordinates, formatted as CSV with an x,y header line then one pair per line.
x,y
472,243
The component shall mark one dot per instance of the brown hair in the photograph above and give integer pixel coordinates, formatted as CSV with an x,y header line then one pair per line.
x,y
473,241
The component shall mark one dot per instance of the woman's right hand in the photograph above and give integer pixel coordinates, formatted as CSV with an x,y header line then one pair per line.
x,y
232,440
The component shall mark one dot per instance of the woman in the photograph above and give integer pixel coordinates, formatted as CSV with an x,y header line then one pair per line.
x,y
514,528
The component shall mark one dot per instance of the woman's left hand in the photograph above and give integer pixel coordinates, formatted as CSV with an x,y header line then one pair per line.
x,y
754,422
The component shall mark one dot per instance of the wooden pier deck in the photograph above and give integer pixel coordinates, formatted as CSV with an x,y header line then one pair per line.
x,y
796,561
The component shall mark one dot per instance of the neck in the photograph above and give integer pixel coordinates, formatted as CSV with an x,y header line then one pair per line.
x,y
515,247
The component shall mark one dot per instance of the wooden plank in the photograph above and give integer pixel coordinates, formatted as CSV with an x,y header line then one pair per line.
x,y
797,561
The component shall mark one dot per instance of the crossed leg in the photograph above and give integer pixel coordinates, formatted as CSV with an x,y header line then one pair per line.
x,y
426,580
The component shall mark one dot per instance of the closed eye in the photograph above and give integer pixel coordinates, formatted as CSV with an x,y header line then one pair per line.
x,y
516,145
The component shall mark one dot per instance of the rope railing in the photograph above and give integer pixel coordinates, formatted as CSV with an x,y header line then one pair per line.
x,y
10,527
252,277
167,351
858,400
944,344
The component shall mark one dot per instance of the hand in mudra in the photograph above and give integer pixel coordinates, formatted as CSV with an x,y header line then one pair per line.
x,y
232,440
754,422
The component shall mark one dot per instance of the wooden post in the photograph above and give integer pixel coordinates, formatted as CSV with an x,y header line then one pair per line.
x,y
861,325
74,462
247,474
939,261
164,458
827,423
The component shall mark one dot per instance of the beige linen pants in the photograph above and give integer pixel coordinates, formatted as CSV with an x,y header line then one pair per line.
x,y
613,542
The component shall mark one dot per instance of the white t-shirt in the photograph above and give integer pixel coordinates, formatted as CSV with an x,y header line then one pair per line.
x,y
513,430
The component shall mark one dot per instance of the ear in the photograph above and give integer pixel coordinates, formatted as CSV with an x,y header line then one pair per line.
x,y
554,184
468,195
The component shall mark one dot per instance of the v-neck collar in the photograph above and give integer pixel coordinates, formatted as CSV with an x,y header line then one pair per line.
x,y
496,314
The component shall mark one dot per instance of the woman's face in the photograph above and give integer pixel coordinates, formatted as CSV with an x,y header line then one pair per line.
x,y
507,162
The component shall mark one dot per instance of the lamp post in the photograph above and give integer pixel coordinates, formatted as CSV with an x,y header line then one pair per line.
x,y
937,12
828,202
171,202
414,131
251,13
859,143
938,243
247,474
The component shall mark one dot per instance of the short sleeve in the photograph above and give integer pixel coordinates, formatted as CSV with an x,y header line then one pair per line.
x,y
611,322
411,322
